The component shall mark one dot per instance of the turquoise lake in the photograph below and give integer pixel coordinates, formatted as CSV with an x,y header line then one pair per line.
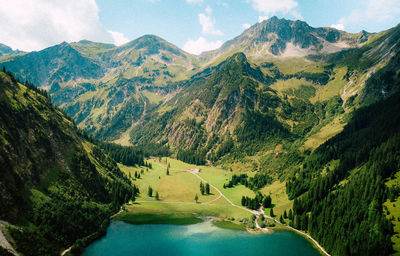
x,y
198,239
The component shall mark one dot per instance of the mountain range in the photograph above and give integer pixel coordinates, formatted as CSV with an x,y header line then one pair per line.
x,y
307,106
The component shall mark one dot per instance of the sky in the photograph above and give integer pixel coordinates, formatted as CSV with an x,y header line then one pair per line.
x,y
193,25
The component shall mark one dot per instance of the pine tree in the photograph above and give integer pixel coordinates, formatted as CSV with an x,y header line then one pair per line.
x,y
157,196
202,188
207,189
267,202
243,200
272,213
281,219
285,214
150,192
290,214
196,198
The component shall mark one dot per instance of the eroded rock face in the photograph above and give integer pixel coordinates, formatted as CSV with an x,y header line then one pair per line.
x,y
274,34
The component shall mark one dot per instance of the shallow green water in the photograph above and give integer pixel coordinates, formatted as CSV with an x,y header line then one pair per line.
x,y
198,239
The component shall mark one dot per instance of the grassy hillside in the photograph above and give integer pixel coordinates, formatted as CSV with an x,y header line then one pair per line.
x,y
56,187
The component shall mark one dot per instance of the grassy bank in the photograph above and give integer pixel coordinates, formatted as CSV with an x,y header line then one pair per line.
x,y
229,225
174,219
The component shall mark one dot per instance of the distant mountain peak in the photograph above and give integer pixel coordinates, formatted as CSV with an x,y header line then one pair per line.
x,y
282,37
151,44
6,50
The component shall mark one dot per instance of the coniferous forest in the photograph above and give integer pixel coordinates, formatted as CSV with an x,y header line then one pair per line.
x,y
283,127
348,217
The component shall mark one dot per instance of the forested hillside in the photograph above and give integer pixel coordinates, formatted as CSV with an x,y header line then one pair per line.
x,y
56,187
313,112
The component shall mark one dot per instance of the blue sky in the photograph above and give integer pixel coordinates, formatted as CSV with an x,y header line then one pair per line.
x,y
194,25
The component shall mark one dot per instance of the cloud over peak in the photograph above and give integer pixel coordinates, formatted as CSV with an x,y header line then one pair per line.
x,y
207,23
201,45
35,24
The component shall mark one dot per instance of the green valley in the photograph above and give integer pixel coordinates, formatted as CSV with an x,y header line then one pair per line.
x,y
286,127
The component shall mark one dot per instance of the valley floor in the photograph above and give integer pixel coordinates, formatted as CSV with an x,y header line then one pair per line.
x,y
177,191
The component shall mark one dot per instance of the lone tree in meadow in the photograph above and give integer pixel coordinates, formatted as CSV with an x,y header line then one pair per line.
x,y
207,189
150,192
272,213
196,198
157,196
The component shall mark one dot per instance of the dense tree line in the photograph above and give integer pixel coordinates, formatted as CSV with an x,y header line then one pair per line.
x,y
254,183
256,202
67,191
348,218
126,155
29,85
191,157
236,179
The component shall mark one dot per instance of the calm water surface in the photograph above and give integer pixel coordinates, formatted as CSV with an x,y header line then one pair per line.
x,y
198,239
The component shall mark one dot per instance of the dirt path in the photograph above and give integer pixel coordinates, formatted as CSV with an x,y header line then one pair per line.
x,y
261,211
221,194
65,251
120,210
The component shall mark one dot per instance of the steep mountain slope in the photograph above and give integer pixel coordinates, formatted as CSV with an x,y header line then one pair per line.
x,y
286,38
53,66
234,107
6,50
113,88
286,107
106,89
343,206
55,186
150,57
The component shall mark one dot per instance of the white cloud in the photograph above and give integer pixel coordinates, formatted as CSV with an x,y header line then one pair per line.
x,y
201,45
296,15
262,18
208,10
207,23
36,24
271,7
376,12
246,25
194,1
338,26
118,37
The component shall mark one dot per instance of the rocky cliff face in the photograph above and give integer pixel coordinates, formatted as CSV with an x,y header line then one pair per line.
x,y
281,37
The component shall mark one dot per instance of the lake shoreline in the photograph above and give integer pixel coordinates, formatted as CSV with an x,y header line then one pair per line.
x,y
190,219
197,239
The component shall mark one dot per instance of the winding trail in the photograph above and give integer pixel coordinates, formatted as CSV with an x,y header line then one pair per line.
x,y
261,211
258,213
120,210
65,251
